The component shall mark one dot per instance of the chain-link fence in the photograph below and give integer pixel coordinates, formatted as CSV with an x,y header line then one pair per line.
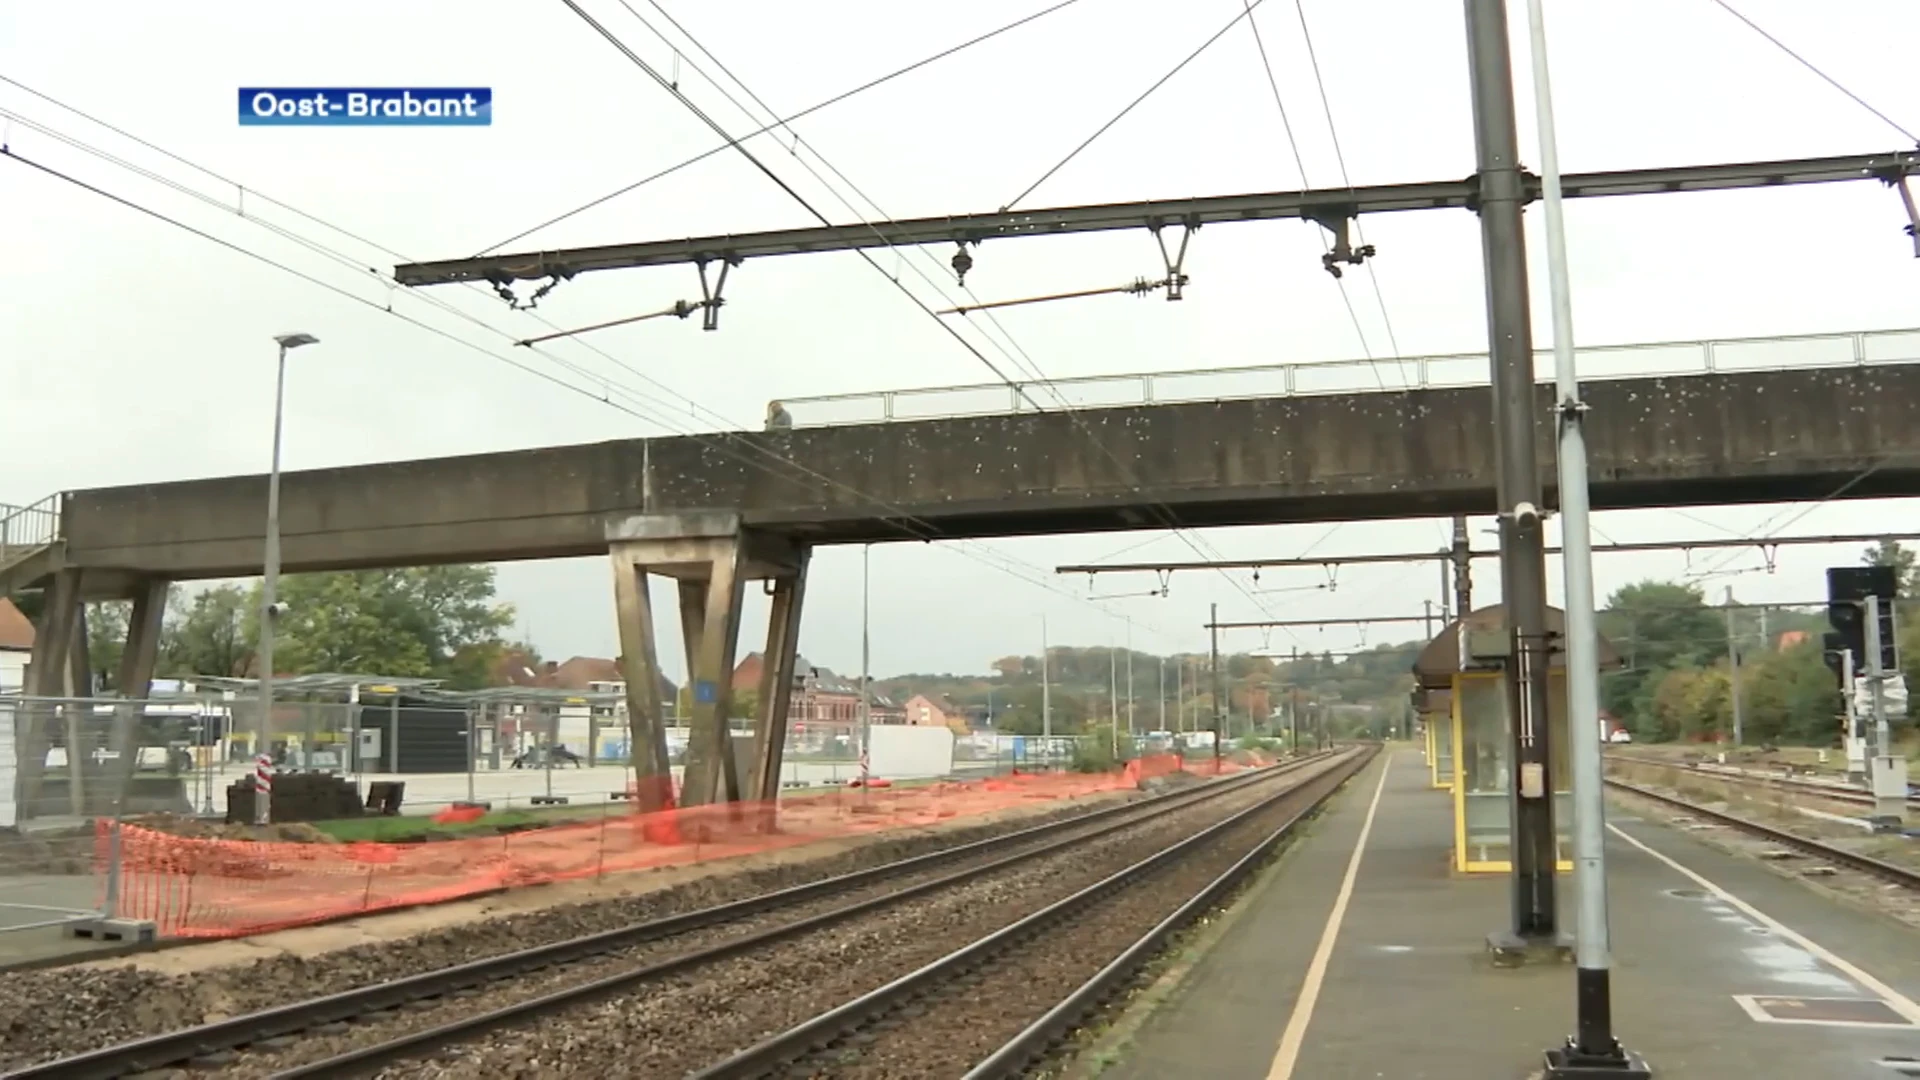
x,y
66,784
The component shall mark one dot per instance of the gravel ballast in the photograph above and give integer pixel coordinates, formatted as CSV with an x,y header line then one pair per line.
x,y
684,1021
63,1011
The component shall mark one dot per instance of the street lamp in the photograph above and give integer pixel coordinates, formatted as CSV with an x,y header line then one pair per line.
x,y
269,607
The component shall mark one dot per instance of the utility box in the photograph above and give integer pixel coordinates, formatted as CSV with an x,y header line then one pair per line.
x,y
1890,778
1489,647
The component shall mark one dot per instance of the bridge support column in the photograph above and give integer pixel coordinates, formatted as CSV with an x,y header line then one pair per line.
x,y
134,679
710,624
712,557
640,666
49,675
77,682
776,682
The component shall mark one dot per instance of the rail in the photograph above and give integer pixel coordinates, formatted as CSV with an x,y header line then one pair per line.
x,y
1443,371
25,529
770,1056
1822,789
1879,868
172,1048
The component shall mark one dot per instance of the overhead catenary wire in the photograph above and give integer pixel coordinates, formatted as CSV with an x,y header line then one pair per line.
x,y
781,122
904,520
665,84
1300,163
1340,157
1160,509
1845,486
1131,105
1811,66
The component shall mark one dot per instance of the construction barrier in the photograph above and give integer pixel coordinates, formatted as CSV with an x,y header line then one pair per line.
x,y
211,888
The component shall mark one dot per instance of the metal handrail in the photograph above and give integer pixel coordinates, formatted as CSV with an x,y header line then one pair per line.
x,y
1440,371
29,528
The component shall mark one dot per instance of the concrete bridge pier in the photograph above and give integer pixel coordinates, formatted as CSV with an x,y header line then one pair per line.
x,y
712,557
61,667
139,654
58,667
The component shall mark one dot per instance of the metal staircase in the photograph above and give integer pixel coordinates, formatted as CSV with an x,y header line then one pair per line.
x,y
29,536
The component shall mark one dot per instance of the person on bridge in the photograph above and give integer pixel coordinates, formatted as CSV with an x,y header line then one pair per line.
x,y
778,418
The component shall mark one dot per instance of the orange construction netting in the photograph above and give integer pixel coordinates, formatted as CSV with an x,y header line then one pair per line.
x,y
210,888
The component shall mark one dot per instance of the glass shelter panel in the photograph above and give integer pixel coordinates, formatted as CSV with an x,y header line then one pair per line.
x,y
1483,748
1482,810
1560,761
1439,724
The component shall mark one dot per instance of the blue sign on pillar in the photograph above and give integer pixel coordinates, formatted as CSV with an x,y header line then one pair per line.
x,y
705,692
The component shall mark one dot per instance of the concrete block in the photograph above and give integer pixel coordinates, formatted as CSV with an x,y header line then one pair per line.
x,y
104,929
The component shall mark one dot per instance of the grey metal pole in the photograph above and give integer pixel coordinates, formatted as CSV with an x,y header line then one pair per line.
x,y
1523,561
473,737
1046,691
1130,727
1163,693
1856,737
1733,663
262,801
1180,696
1293,724
1462,568
1113,701
866,665
1882,742
1593,1045
1213,629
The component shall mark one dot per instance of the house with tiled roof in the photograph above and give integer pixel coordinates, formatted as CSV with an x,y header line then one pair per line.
x,y
935,710
579,725
16,646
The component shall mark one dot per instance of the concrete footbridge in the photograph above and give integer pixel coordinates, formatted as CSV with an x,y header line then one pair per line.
x,y
1672,424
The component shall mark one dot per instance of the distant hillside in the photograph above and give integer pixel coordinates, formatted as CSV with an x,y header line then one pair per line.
x,y
1083,682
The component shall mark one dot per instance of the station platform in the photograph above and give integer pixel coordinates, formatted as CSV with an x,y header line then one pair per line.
x,y
1337,967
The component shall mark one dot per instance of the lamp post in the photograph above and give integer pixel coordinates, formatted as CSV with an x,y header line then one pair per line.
x,y
269,607
1592,1051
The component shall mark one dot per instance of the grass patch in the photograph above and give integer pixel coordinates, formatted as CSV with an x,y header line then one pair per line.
x,y
404,828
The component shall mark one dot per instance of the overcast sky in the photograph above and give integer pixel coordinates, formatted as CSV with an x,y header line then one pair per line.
x,y
132,351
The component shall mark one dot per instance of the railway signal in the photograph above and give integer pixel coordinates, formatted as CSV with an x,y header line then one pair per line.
x,y
1860,608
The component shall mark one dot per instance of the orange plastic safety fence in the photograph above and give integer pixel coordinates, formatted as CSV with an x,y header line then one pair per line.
x,y
206,888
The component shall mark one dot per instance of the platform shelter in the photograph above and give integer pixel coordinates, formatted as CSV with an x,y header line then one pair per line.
x,y
1465,666
1435,710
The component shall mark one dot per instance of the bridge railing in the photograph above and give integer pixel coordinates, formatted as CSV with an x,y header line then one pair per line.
x,y
1666,358
25,529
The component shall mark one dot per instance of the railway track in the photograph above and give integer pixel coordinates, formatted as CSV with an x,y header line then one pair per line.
x,y
1005,1001
606,962
1817,788
1840,856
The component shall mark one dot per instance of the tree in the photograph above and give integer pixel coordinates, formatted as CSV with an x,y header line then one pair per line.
x,y
1656,626
1791,697
106,641
208,636
1903,561
426,622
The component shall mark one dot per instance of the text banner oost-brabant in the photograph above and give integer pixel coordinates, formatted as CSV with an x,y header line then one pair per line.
x,y
359,106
